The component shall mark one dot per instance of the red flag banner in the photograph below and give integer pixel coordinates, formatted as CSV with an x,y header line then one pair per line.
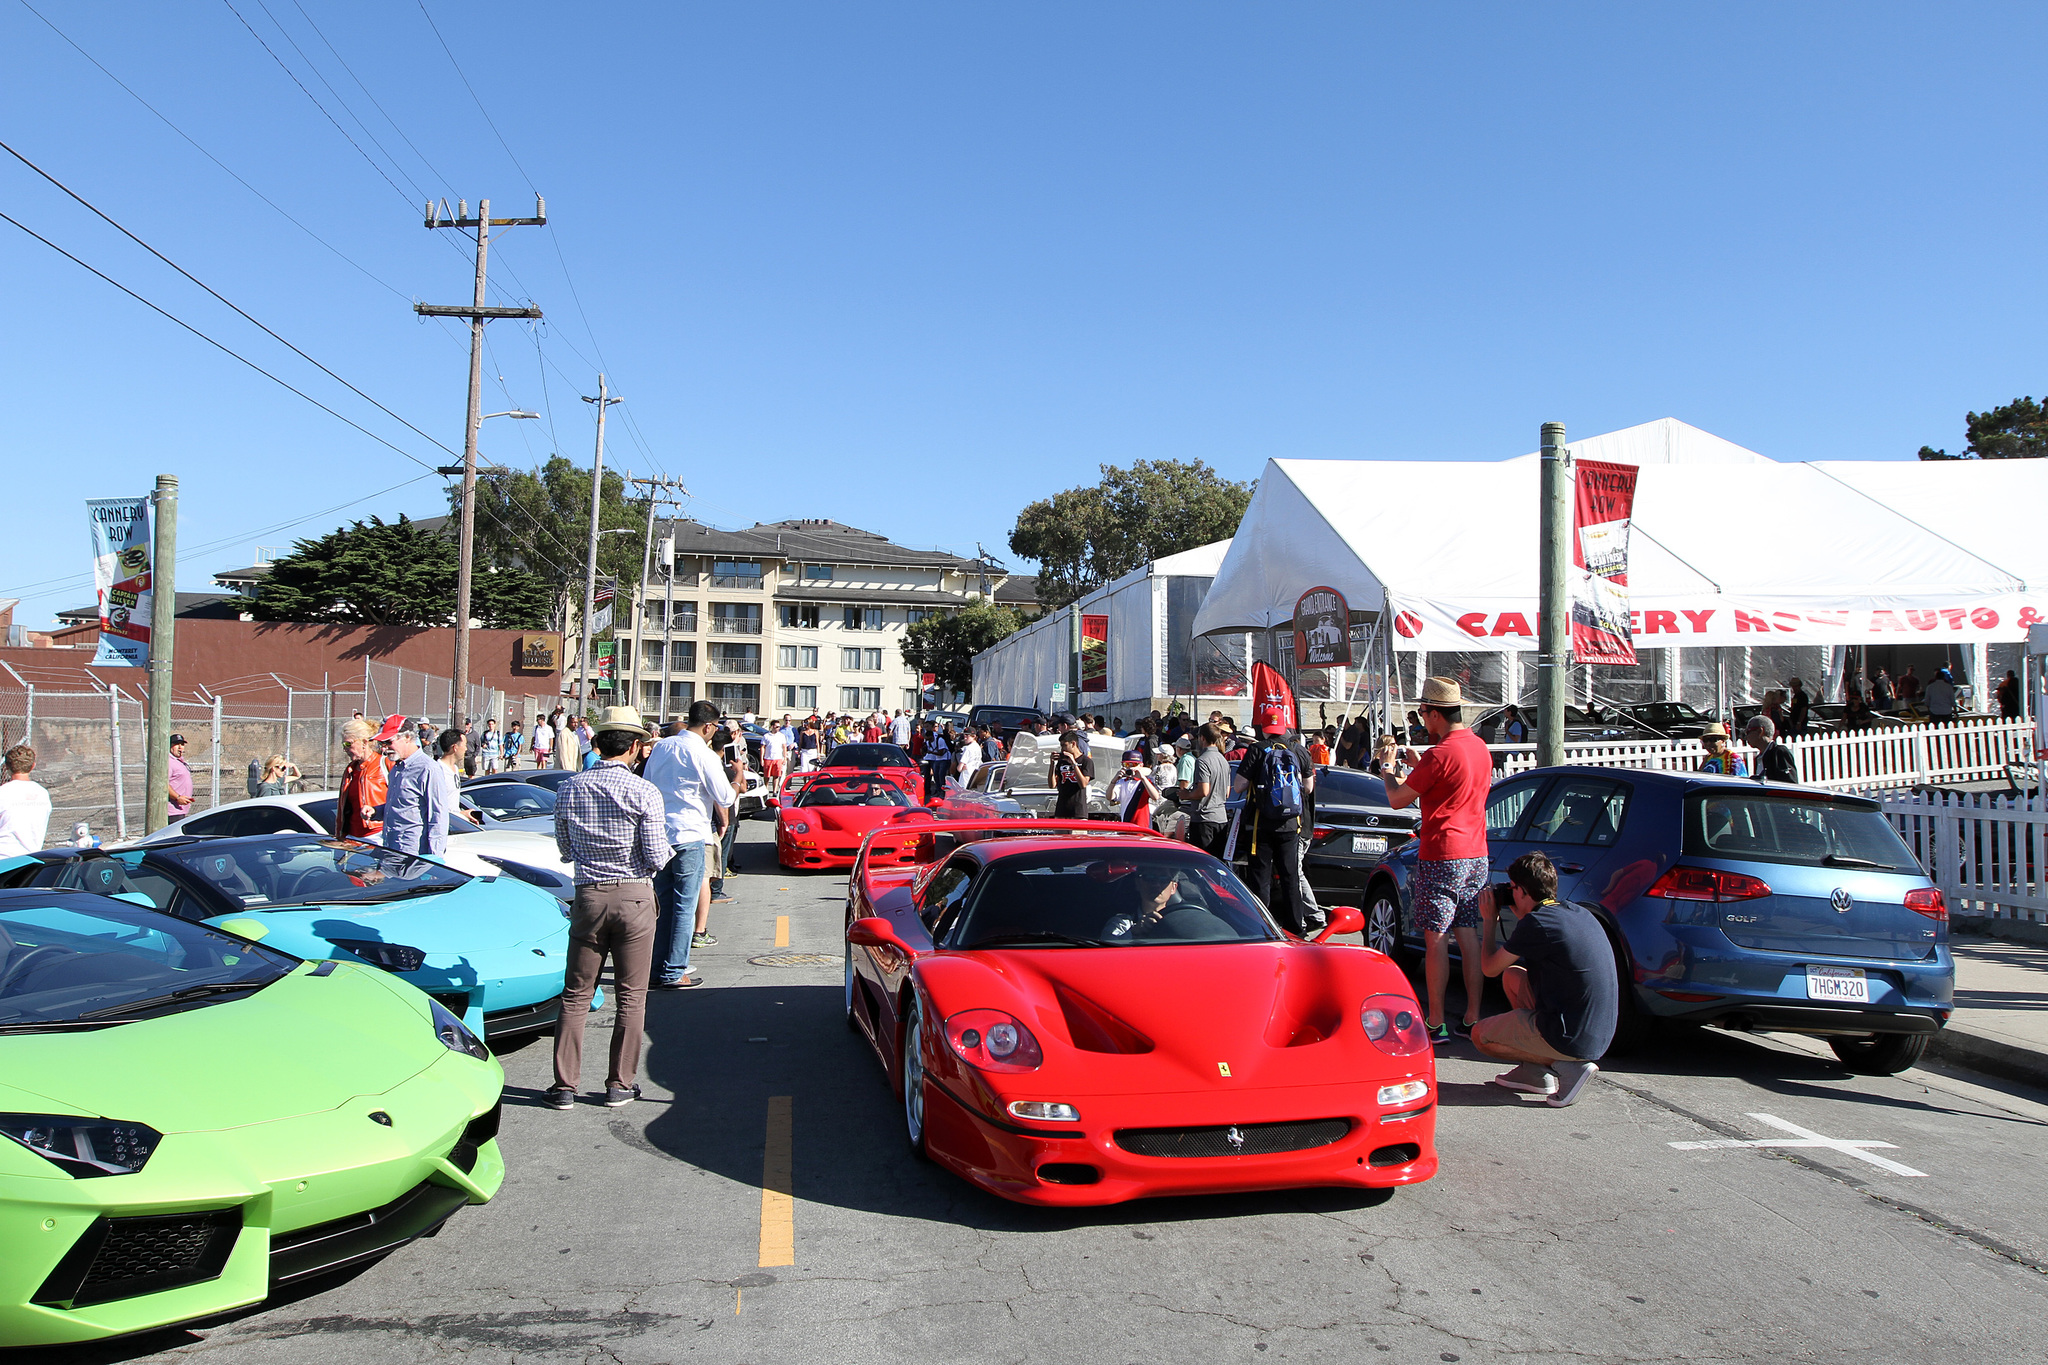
x,y
1272,700
1094,653
1603,500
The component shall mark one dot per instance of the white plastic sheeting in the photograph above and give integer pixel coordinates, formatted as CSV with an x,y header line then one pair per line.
x,y
1724,552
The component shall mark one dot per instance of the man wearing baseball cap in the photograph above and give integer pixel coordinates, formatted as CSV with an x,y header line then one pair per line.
x,y
1451,782
416,804
611,824
180,782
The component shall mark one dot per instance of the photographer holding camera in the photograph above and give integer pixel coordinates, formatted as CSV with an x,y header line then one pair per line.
x,y
1558,971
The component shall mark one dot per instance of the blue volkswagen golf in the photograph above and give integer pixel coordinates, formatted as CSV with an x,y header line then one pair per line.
x,y
1731,902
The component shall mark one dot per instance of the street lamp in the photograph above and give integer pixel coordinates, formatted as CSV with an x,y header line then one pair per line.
x,y
458,700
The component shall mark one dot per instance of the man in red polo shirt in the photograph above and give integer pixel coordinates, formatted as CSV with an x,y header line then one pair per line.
x,y
1451,782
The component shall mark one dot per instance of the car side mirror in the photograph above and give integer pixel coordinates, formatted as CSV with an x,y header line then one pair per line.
x,y
875,932
1344,919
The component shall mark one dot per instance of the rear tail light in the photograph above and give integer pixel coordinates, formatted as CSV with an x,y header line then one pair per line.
x,y
1394,1023
1708,884
1927,901
1322,831
993,1041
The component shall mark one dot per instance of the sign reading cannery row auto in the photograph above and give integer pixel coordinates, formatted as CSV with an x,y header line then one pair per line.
x,y
1322,629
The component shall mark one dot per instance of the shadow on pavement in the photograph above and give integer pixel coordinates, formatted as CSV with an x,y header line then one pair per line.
x,y
725,1052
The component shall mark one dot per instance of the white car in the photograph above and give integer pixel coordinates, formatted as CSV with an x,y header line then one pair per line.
x,y
489,851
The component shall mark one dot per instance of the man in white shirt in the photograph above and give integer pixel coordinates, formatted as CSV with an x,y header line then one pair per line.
x,y
899,730
774,748
543,743
970,758
24,805
695,794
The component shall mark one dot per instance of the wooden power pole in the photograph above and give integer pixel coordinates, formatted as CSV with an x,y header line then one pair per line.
x,y
478,315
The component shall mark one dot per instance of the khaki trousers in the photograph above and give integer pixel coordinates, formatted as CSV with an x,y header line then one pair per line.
x,y
616,920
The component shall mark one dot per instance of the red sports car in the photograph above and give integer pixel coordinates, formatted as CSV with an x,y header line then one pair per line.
x,y
823,823
890,760
1079,1014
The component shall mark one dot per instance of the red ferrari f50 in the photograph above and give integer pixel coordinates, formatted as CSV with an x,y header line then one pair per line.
x,y
1080,1014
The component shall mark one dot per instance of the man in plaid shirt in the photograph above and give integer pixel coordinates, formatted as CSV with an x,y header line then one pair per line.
x,y
609,822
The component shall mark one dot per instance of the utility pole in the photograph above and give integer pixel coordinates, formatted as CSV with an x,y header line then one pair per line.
x,y
656,489
478,315
1554,631
163,626
590,560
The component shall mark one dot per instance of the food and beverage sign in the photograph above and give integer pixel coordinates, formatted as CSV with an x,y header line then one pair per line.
x,y
1094,653
541,653
121,578
1322,629
1603,500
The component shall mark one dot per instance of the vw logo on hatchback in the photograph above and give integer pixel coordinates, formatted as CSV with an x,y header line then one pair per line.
x,y
1842,900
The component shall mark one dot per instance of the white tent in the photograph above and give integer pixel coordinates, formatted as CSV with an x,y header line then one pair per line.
x,y
1735,553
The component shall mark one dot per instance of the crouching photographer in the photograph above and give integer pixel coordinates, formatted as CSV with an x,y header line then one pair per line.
x,y
1557,969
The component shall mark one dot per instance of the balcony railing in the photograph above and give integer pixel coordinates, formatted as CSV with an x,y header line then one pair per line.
x,y
733,580
744,667
735,625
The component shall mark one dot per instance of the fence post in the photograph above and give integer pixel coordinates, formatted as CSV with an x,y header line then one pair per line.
x,y
216,749
120,793
327,742
28,734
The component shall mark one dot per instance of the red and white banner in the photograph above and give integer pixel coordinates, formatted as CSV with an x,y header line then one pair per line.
x,y
1603,499
1702,620
1094,653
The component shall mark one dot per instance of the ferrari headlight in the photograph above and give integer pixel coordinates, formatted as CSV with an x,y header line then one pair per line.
x,y
82,1147
455,1035
1394,1023
1045,1111
392,957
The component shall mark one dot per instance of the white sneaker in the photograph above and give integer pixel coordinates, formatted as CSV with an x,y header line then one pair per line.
x,y
1572,1078
1529,1079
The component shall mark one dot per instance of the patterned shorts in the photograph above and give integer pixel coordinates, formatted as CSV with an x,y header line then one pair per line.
x,y
1446,893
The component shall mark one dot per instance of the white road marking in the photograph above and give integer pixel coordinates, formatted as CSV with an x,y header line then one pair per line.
x,y
1806,1137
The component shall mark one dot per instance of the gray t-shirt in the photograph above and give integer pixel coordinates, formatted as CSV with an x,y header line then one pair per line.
x,y
1213,768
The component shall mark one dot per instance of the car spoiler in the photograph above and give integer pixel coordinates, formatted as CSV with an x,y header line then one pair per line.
x,y
1009,828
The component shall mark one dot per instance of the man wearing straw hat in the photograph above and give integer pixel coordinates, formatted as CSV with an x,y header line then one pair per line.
x,y
610,823
1451,782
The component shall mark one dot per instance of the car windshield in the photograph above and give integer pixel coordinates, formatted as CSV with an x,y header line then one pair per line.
x,y
279,872
1669,713
869,756
1790,829
1145,897
63,956
511,800
1347,787
854,791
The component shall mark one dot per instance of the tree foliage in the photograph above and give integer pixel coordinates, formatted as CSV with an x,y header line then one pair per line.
x,y
946,645
539,520
1084,537
2016,431
376,573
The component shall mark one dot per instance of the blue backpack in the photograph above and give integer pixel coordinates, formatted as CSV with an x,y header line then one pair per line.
x,y
1280,785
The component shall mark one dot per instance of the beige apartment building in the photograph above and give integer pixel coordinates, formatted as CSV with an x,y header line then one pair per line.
x,y
788,616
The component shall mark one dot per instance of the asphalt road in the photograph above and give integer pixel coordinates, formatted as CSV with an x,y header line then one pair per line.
x,y
640,1234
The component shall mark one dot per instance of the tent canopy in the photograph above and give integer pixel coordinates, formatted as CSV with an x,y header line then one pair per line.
x,y
1723,550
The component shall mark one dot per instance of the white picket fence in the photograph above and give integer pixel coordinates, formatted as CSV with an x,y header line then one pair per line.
x,y
1852,760
1986,853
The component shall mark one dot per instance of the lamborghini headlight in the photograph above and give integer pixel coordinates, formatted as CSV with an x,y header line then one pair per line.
x,y
83,1147
455,1035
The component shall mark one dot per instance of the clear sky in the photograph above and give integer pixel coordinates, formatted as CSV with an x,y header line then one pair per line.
x,y
912,266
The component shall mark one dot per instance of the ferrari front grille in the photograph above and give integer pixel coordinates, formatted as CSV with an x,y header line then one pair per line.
x,y
118,1258
1242,1139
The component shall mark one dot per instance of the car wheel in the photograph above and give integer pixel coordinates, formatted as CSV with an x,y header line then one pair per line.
x,y
1881,1054
1383,920
913,1077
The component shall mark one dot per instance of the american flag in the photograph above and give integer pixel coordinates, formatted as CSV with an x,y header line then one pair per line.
x,y
601,609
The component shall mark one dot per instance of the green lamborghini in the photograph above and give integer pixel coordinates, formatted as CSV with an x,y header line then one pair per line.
x,y
188,1119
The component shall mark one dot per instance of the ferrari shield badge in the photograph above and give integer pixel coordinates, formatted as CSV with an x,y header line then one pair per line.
x,y
1223,1069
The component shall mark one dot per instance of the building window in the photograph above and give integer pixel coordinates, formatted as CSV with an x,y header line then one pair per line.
x,y
785,657
724,658
797,697
862,618
651,613
624,650
683,656
735,618
651,653
874,661
800,617
796,656
849,698
736,573
911,699
871,698
735,698
824,571
680,695
685,614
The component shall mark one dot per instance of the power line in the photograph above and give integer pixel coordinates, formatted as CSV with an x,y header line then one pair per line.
x,y
215,292
318,75
473,95
372,98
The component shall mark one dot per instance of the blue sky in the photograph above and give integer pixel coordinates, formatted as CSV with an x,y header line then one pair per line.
x,y
912,266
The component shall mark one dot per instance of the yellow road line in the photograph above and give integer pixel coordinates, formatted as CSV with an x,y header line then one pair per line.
x,y
782,931
778,1198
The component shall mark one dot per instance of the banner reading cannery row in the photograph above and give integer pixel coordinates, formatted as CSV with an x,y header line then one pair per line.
x,y
120,576
1704,620
1603,498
